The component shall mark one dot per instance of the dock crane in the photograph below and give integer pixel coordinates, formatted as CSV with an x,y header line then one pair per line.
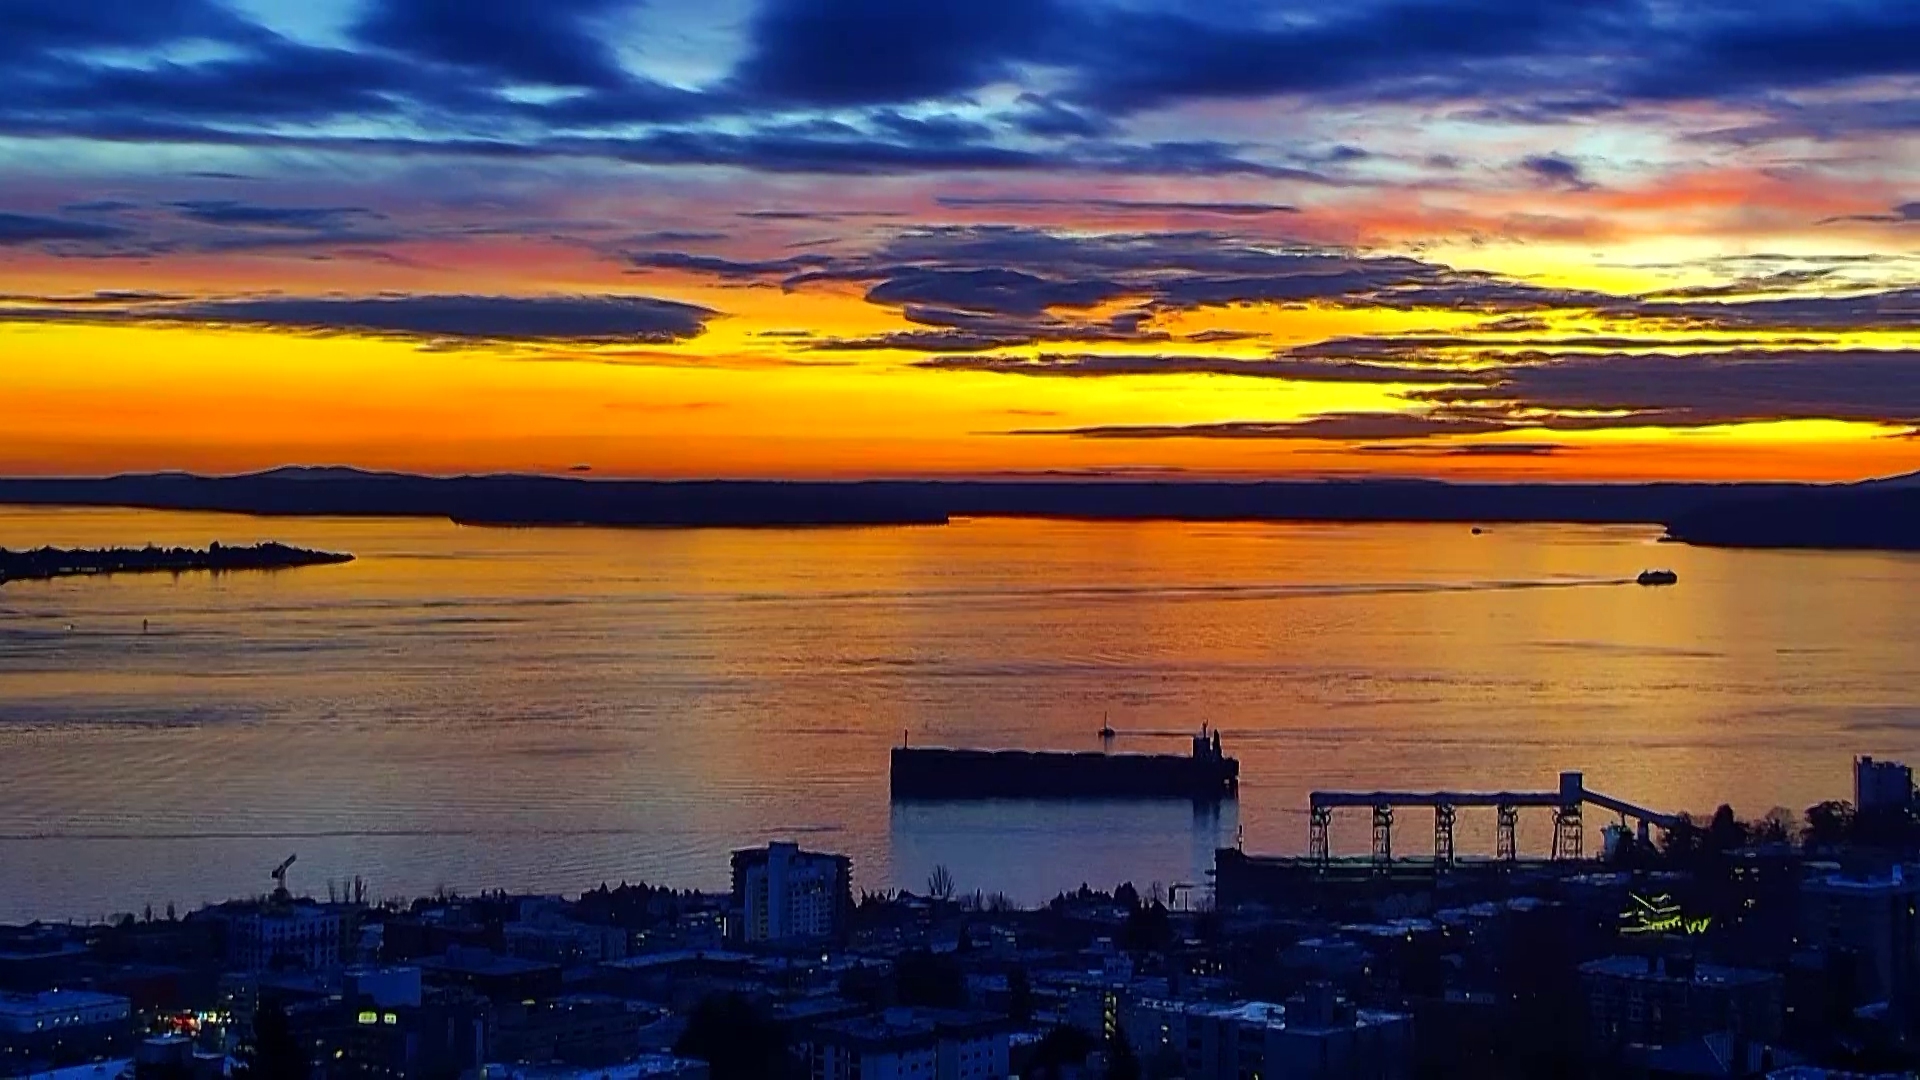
x,y
280,878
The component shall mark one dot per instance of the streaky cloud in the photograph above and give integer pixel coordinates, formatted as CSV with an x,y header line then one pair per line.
x,y
551,319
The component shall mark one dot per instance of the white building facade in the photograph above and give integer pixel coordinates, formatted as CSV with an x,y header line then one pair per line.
x,y
786,894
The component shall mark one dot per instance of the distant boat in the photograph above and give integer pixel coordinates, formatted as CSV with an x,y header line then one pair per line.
x,y
1658,577
1477,530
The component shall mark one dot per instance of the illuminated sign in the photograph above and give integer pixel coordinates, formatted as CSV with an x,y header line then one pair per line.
x,y
1659,915
369,1017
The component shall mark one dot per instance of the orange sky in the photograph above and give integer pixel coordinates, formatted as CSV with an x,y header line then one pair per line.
x,y
993,277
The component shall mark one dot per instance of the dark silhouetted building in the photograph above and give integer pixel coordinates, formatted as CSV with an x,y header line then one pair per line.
x,y
909,1044
1881,785
1877,920
1664,1001
503,978
573,1029
61,1027
1316,1036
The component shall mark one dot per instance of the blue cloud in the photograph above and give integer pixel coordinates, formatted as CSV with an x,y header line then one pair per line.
x,y
549,42
860,52
21,229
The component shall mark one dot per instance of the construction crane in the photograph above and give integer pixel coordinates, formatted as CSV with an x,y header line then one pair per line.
x,y
280,877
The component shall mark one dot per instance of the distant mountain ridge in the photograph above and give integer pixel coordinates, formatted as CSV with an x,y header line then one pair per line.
x,y
1881,513
1904,480
1878,515
554,500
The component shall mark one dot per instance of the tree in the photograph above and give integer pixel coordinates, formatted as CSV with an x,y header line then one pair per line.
x,y
1776,828
1724,832
1682,842
929,980
940,883
1126,895
1147,928
275,1054
1122,1062
735,1039
1830,823
1059,1050
1020,995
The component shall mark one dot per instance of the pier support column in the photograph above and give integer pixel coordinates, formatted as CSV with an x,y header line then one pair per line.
x,y
1443,838
1569,833
1506,826
1382,838
1319,848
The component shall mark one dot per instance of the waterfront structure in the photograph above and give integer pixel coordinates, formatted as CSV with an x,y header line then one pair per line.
x,y
1566,803
909,1044
1315,1036
1881,785
1666,1000
1206,773
1875,920
784,894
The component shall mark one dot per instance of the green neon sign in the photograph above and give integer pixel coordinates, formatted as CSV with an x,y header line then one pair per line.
x,y
1660,915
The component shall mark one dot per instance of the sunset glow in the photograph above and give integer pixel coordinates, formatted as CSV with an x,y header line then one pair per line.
x,y
793,239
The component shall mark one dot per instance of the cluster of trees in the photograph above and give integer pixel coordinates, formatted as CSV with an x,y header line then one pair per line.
x,y
634,906
1827,825
274,1053
49,562
737,1039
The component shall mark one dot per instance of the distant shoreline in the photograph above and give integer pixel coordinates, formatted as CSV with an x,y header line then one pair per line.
x,y
1882,515
49,563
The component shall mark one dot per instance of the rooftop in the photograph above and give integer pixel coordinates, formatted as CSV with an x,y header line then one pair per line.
x,y
1265,1014
908,1025
678,956
102,1070
303,910
1895,882
1643,967
482,962
55,1001
638,1069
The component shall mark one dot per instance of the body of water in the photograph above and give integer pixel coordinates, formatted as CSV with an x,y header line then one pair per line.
x,y
549,709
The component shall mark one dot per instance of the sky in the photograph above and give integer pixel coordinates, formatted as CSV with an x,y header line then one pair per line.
x,y
1486,239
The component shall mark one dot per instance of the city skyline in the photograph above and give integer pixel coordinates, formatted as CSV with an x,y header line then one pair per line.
x,y
1462,238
